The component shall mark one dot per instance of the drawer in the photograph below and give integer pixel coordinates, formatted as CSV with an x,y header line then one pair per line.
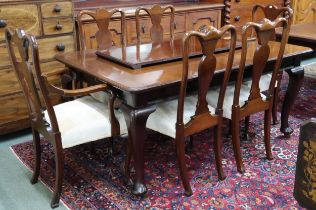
x,y
56,9
20,16
201,21
91,28
8,82
242,14
48,47
145,24
58,26
14,107
251,2
4,56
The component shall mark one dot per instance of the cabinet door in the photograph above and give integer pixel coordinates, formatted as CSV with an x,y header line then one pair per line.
x,y
20,16
201,21
90,29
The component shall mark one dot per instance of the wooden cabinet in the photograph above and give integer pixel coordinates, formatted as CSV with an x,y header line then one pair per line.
x,y
189,16
52,23
239,12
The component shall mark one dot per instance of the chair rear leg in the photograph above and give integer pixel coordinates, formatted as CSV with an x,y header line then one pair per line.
x,y
218,151
267,127
59,161
37,148
183,168
190,144
245,135
236,144
276,99
127,164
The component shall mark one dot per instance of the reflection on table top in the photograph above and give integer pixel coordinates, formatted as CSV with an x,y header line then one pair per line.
x,y
140,55
155,76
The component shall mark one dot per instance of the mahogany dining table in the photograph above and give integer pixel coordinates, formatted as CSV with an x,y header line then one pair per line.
x,y
141,89
303,34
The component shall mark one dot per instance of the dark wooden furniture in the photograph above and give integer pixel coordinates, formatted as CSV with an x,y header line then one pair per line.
x,y
103,35
304,35
155,13
270,12
58,124
189,115
244,101
140,90
189,15
304,187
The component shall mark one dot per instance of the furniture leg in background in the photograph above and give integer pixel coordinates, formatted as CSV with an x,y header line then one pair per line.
x,y
296,77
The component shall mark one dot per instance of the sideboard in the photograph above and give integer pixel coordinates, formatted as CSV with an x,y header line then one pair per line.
x,y
53,24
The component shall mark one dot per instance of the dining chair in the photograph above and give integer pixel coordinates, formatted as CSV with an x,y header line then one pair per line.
x,y
156,13
64,125
270,12
187,115
242,101
103,35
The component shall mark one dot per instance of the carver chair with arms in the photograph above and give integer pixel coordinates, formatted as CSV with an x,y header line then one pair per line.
x,y
242,101
191,114
156,13
65,125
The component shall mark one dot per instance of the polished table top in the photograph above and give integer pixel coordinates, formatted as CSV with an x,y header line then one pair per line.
x,y
302,34
137,56
155,76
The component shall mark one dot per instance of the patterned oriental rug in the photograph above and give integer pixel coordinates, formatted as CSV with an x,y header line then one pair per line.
x,y
95,180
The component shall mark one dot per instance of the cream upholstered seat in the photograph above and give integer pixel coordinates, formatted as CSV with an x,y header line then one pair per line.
x,y
212,97
163,120
264,82
84,120
100,96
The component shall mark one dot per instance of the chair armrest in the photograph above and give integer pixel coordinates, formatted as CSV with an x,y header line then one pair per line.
x,y
73,93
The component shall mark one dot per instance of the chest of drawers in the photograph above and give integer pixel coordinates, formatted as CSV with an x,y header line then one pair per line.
x,y
53,25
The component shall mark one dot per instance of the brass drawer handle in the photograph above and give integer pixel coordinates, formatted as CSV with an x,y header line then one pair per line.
x,y
60,47
203,29
58,26
237,1
57,8
237,18
174,25
3,23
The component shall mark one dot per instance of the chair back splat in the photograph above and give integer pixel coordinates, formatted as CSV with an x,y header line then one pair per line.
x,y
203,118
264,31
156,31
22,63
103,36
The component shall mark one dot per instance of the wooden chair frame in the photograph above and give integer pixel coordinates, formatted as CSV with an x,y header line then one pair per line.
x,y
255,103
102,18
26,76
271,12
156,13
203,119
